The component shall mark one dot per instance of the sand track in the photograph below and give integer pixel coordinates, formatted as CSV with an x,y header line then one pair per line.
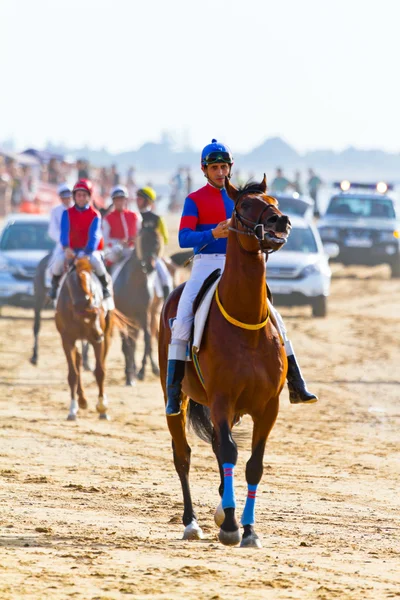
x,y
92,510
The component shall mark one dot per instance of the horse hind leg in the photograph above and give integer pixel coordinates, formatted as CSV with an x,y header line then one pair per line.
x,y
85,356
181,452
128,350
254,470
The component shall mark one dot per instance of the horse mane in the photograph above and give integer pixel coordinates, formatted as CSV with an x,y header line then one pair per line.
x,y
252,187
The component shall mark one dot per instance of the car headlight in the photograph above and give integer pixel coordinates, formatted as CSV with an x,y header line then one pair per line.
x,y
311,270
6,267
389,236
329,232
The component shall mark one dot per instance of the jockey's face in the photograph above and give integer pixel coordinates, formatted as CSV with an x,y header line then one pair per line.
x,y
81,198
216,173
66,201
142,202
119,203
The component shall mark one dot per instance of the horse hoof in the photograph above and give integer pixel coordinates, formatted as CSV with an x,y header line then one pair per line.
x,y
87,367
140,375
219,515
229,538
33,360
71,417
193,532
82,403
156,371
251,541
130,383
104,417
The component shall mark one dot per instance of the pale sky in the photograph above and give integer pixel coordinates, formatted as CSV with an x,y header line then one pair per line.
x,y
115,73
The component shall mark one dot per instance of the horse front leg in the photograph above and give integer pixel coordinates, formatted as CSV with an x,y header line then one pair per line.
x,y
229,534
82,401
70,350
219,514
100,373
36,329
254,470
181,451
147,348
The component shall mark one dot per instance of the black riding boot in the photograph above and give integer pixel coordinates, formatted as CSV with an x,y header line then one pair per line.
x,y
175,375
104,284
298,392
54,287
166,291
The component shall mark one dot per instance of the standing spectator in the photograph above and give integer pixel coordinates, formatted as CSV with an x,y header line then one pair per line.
x,y
53,171
314,183
83,169
189,181
28,184
297,185
114,176
280,183
5,189
131,182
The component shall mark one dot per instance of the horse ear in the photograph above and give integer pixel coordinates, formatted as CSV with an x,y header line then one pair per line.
x,y
263,184
232,192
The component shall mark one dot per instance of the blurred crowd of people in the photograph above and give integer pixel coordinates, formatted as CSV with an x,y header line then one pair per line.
x,y
24,179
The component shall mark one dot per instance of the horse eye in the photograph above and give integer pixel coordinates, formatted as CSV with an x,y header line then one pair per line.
x,y
246,205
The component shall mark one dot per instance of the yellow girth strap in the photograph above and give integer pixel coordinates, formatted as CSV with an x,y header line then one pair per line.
x,y
239,323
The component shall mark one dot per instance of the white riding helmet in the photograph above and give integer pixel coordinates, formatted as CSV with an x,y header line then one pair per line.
x,y
64,191
119,191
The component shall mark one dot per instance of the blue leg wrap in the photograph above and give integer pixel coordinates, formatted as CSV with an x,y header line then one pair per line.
x,y
249,512
228,499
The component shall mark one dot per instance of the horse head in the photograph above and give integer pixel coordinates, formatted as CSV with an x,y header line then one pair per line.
x,y
80,289
149,247
256,217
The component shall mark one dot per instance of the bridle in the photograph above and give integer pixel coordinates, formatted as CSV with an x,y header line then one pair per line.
x,y
252,228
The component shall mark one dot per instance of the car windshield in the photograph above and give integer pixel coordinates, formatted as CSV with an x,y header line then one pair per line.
x,y
26,236
292,206
300,240
380,208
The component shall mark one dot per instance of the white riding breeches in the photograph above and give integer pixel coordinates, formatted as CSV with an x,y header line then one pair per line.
x,y
58,262
163,278
203,266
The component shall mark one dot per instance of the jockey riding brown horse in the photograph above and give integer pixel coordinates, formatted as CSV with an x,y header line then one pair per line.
x,y
80,317
242,362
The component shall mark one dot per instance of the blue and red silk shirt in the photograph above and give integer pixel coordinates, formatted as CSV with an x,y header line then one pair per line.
x,y
81,229
202,212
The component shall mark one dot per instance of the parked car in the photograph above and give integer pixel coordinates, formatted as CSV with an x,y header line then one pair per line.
x,y
23,243
295,204
365,225
299,273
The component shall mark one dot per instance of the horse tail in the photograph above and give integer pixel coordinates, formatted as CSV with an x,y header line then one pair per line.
x,y
124,324
200,421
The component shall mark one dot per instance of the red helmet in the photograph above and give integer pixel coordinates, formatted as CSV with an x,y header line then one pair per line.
x,y
84,185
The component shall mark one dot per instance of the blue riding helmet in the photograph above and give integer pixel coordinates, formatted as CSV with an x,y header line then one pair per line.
x,y
119,191
216,153
64,191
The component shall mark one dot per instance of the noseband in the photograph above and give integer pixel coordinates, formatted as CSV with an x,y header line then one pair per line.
x,y
252,228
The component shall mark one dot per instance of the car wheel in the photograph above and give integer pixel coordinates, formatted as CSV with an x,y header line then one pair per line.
x,y
319,306
395,267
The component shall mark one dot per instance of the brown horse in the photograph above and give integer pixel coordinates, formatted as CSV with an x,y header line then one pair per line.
x,y
242,362
79,317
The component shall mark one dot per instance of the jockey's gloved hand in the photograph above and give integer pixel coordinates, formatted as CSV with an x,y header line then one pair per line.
x,y
81,254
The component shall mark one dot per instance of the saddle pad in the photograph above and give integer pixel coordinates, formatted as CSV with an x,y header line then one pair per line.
x,y
118,268
201,315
